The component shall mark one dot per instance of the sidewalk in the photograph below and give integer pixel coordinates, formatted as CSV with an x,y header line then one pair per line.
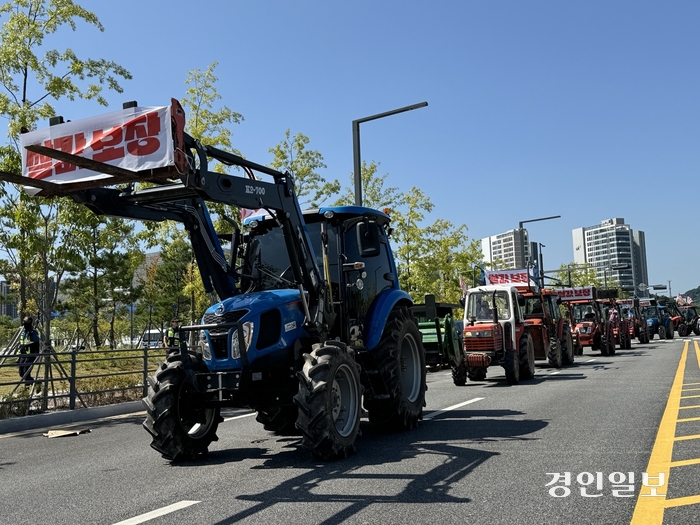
x,y
66,417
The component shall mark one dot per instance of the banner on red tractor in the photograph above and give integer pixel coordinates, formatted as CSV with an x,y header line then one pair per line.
x,y
135,139
514,277
575,294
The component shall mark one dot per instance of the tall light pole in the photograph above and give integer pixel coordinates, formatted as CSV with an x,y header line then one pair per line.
x,y
356,143
520,229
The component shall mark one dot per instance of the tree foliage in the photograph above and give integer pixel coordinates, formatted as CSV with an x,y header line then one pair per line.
x,y
291,156
36,241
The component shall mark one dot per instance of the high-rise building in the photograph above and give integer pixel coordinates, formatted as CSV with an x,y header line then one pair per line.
x,y
7,304
616,252
509,250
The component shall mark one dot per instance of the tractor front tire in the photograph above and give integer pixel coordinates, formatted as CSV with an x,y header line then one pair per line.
x,y
329,400
400,360
180,429
527,358
662,332
554,356
683,330
459,374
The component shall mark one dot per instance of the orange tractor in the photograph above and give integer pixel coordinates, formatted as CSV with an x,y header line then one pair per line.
x,y
690,322
634,310
620,324
591,322
550,330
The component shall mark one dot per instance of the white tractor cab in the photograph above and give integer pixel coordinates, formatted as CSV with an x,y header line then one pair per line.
x,y
495,333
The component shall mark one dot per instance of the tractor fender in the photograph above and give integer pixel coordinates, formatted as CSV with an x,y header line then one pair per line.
x,y
379,313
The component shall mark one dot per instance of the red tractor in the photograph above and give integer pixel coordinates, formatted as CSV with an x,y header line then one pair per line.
x,y
591,323
495,334
620,324
550,330
634,310
690,322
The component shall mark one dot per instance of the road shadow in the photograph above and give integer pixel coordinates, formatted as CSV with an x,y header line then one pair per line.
x,y
381,459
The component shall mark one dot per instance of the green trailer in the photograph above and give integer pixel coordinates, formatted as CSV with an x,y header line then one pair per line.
x,y
442,338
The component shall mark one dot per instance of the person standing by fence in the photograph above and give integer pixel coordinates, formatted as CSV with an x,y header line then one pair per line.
x,y
173,337
29,350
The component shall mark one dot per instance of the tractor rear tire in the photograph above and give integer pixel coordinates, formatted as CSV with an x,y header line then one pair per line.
x,y
180,429
554,355
329,401
567,349
459,374
696,328
670,330
527,358
400,359
279,419
476,373
511,365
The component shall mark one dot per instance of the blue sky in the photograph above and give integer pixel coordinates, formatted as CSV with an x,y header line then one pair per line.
x,y
588,110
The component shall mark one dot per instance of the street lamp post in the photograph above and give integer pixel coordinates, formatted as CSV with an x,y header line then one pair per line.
x,y
356,143
520,229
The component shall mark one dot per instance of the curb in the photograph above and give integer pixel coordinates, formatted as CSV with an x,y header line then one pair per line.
x,y
64,417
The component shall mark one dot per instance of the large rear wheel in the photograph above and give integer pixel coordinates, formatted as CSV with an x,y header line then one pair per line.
x,y
180,427
329,401
511,365
400,359
567,347
527,358
554,356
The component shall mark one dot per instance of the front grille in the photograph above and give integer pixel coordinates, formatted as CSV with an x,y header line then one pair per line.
x,y
483,344
227,317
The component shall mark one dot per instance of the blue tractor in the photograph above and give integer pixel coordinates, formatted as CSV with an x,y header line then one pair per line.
x,y
659,321
310,323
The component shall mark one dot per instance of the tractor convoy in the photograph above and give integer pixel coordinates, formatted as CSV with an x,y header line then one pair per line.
x,y
311,327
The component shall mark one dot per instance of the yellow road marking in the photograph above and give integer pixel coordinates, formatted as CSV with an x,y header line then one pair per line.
x,y
650,510
689,397
685,438
679,502
686,462
689,419
689,389
689,406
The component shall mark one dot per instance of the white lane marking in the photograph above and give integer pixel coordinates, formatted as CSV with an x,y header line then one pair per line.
x,y
591,360
435,413
157,513
239,417
554,373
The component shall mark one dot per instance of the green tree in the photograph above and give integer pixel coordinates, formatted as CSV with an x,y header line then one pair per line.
x,y
374,194
291,156
210,127
32,76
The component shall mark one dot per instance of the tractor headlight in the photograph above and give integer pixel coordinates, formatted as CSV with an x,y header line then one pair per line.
x,y
479,333
204,346
247,339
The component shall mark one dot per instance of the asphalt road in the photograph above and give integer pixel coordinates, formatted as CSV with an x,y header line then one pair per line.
x,y
482,454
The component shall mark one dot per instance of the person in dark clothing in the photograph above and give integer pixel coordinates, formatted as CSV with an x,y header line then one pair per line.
x,y
29,350
173,337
